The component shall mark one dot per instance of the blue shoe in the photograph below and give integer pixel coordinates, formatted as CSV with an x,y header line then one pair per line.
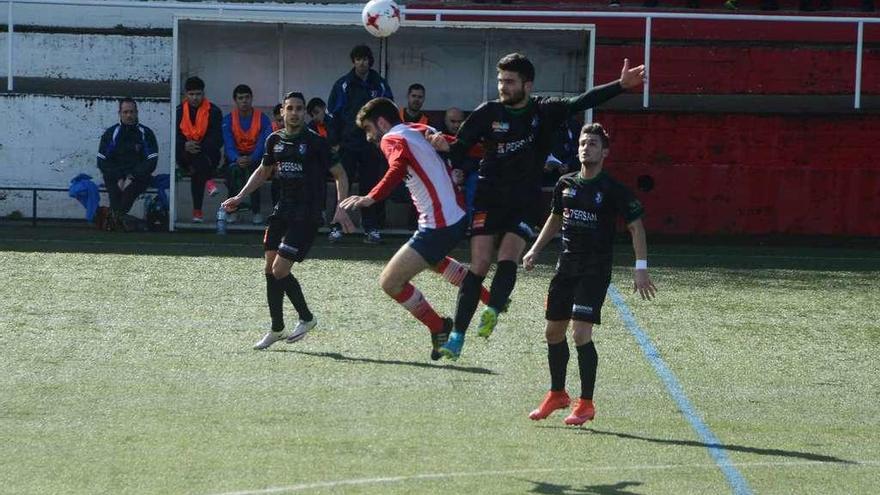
x,y
452,348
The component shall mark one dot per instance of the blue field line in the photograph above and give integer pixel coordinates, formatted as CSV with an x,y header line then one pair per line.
x,y
734,478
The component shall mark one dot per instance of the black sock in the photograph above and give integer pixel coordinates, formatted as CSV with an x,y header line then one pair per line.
x,y
588,361
557,358
275,298
502,284
295,294
468,298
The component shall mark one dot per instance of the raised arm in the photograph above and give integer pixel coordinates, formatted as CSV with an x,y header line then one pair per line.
x,y
629,78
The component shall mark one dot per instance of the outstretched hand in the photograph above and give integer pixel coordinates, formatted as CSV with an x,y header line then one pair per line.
x,y
341,217
529,260
438,142
231,204
631,77
354,202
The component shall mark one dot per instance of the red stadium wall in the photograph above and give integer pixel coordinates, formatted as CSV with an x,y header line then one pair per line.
x,y
748,69
735,174
767,169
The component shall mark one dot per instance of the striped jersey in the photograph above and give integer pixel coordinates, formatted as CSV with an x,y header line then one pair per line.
x,y
412,159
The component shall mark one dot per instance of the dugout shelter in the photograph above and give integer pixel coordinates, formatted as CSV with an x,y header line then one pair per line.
x,y
308,51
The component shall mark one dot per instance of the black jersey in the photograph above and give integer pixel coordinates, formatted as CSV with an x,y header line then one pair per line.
x,y
301,162
589,209
517,141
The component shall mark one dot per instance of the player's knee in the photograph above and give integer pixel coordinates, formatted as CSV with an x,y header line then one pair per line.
x,y
280,272
554,332
583,333
480,266
389,285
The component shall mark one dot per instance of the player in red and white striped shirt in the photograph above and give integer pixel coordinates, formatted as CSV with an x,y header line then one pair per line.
x,y
442,223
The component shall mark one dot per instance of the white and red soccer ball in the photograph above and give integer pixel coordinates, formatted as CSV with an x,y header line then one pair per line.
x,y
381,17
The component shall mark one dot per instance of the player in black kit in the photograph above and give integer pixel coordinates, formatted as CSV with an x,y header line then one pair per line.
x,y
299,160
517,132
586,205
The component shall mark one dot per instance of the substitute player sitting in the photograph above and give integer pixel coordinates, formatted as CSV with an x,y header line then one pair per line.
x,y
585,207
442,222
299,159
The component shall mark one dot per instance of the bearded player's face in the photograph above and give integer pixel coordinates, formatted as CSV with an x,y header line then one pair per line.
x,y
374,134
511,88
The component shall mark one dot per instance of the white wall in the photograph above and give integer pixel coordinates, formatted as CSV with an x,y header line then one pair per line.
x,y
156,14
47,140
90,56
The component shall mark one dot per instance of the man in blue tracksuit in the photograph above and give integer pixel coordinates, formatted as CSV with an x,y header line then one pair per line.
x,y
360,85
127,157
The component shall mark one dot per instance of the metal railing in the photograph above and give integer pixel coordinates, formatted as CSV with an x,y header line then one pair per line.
x,y
286,10
35,189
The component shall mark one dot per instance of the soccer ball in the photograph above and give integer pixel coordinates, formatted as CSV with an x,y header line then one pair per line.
x,y
381,17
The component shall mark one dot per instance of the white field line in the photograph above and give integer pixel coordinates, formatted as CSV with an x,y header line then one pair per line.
x,y
508,472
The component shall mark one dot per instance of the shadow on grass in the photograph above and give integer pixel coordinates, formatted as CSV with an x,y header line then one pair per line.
x,y
248,244
341,357
809,456
734,253
619,488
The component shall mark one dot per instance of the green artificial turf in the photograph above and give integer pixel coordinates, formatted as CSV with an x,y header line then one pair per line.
x,y
126,367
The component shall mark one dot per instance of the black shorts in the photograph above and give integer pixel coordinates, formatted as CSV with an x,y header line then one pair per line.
x,y
291,238
577,297
502,212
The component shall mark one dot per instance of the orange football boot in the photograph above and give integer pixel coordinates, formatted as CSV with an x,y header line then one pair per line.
x,y
552,401
583,411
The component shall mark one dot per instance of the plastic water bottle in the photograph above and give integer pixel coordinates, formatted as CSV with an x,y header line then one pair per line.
x,y
221,221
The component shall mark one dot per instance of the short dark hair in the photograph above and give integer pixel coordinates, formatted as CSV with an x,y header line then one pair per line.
x,y
362,51
294,94
415,86
378,107
194,83
313,104
127,99
242,89
596,129
277,109
519,63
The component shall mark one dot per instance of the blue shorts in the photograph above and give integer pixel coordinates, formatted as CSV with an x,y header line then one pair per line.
x,y
434,244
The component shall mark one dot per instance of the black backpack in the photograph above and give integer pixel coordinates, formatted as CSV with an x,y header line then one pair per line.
x,y
156,215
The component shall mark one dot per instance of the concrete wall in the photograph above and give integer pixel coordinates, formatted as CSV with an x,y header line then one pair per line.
x,y
159,14
65,56
90,56
47,140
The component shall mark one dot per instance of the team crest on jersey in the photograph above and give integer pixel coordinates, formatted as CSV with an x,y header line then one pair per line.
x,y
302,148
535,122
569,192
278,148
599,197
500,126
